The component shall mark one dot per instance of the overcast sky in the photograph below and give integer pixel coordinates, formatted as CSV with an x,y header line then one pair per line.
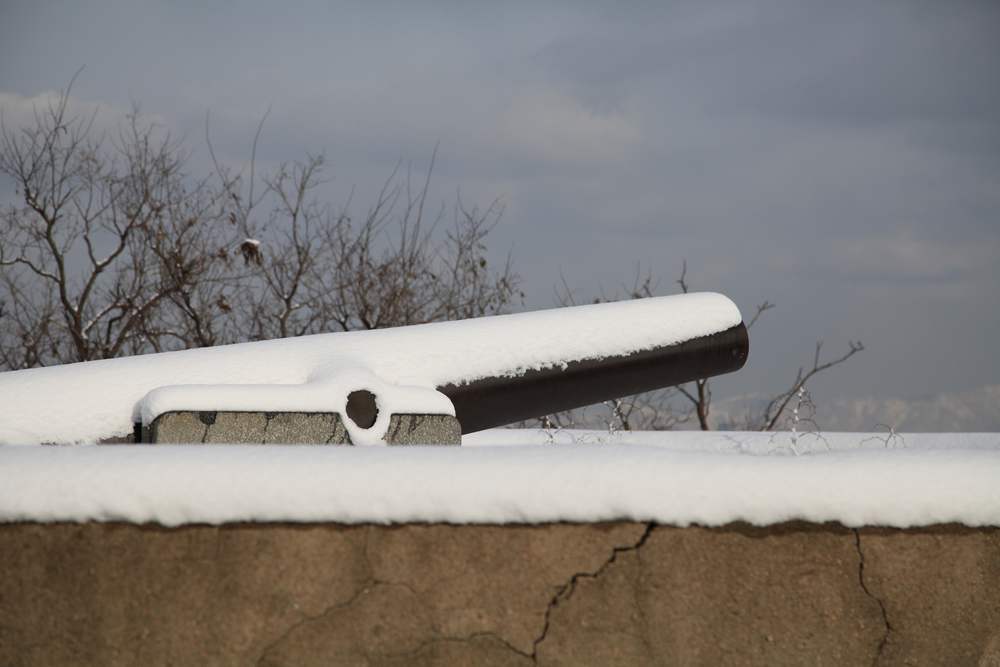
x,y
840,160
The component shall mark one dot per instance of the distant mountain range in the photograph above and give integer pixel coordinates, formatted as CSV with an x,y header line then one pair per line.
x,y
974,410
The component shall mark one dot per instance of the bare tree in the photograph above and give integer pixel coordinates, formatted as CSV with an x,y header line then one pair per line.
x,y
28,314
315,268
769,419
657,410
288,256
394,270
699,394
113,248
87,255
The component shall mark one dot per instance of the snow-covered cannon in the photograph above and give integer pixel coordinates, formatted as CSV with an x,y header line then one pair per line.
x,y
503,399
383,386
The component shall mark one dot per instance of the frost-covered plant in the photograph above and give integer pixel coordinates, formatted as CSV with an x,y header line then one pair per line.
x,y
801,422
890,440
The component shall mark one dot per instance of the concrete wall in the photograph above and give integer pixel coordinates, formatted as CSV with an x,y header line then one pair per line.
x,y
596,594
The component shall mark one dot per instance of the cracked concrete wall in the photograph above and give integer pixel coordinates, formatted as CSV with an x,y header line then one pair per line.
x,y
588,594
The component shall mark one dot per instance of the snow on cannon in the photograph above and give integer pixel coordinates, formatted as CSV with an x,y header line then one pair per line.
x,y
422,384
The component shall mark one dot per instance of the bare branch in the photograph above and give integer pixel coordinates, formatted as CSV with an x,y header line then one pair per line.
x,y
682,280
775,408
761,309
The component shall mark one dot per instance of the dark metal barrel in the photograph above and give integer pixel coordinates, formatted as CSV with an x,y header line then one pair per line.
x,y
496,401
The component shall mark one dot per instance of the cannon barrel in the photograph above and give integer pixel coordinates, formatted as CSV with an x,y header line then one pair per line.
x,y
492,371
497,401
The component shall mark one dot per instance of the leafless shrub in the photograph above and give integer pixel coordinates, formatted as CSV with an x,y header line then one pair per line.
x,y
113,248
93,250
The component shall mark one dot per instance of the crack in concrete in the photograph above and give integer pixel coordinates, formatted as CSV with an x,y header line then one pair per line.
x,y
423,646
367,585
333,434
566,591
309,618
268,416
881,605
393,429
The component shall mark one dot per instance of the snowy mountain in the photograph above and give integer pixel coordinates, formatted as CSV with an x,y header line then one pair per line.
x,y
974,410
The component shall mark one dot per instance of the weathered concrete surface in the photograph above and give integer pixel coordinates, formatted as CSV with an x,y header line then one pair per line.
x,y
291,428
424,429
596,594
954,574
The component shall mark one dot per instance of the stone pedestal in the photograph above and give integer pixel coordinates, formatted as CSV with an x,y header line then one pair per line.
x,y
292,428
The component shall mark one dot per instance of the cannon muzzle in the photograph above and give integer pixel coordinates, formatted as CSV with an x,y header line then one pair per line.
x,y
497,401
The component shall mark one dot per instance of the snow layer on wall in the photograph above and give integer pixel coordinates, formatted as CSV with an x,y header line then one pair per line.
x,y
757,443
174,485
99,399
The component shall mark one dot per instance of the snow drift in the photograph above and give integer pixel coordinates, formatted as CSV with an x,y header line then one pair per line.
x,y
685,478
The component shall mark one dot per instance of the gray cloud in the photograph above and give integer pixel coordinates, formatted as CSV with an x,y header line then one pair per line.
x,y
840,159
